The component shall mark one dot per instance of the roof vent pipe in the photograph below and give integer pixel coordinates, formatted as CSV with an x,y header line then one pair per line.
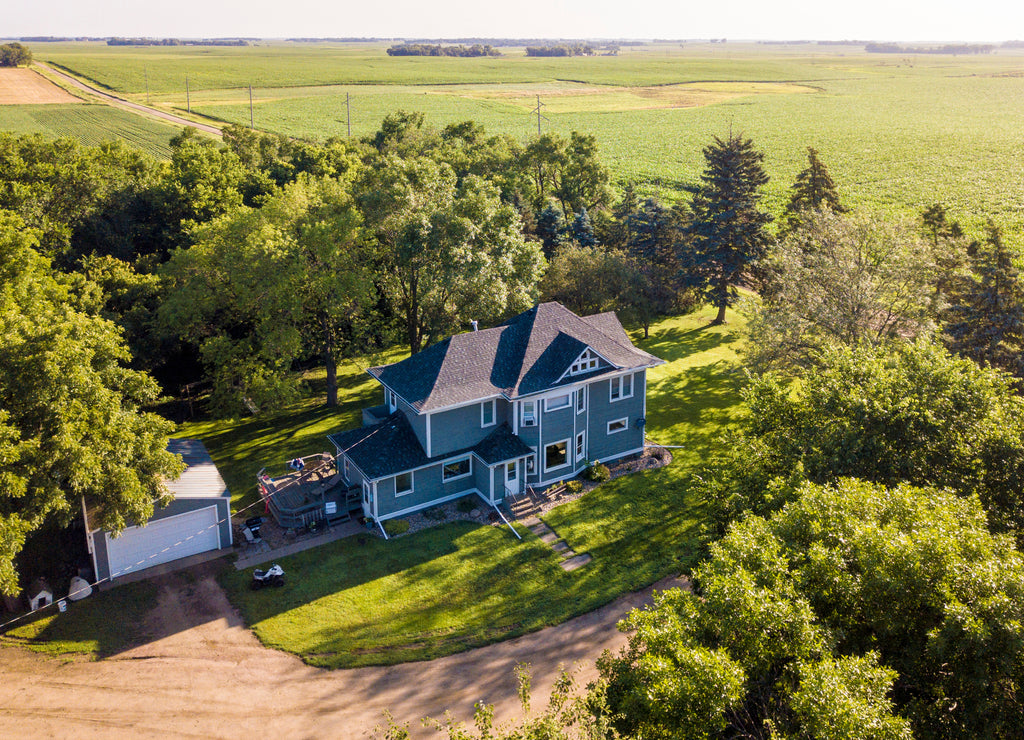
x,y
473,323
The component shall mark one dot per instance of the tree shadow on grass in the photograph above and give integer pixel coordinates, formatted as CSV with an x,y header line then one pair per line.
x,y
677,343
433,593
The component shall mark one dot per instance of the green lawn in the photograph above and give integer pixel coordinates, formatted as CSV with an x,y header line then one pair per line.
x,y
89,627
364,601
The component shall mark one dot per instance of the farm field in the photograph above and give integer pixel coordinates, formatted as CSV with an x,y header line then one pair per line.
x,y
22,85
90,123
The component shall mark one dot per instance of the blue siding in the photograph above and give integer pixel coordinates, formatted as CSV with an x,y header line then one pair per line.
x,y
457,429
417,422
428,486
604,446
557,426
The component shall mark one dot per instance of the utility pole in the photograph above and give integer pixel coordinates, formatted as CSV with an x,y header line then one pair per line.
x,y
539,115
188,101
348,115
251,120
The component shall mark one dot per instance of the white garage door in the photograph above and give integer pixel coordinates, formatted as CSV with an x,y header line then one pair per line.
x,y
163,540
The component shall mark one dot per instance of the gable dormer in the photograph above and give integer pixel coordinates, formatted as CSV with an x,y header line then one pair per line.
x,y
586,362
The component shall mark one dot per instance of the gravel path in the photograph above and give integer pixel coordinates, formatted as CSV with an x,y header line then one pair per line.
x,y
127,104
203,674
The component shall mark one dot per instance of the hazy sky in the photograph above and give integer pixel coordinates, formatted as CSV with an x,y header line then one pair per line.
x,y
939,20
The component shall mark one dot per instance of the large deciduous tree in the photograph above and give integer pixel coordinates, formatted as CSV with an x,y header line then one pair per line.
x,y
265,287
447,253
726,235
840,280
889,414
857,611
71,419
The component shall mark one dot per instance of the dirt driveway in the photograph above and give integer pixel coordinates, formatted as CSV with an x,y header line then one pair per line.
x,y
205,675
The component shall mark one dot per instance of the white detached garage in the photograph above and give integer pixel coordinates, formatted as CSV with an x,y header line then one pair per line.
x,y
196,521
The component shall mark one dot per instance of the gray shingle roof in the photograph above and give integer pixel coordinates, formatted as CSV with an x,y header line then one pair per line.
x,y
201,478
525,355
391,447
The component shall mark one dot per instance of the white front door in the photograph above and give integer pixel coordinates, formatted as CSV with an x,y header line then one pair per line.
x,y
512,477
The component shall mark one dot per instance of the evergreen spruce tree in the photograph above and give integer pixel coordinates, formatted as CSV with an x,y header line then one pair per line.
x,y
727,234
550,229
618,233
813,190
987,322
582,231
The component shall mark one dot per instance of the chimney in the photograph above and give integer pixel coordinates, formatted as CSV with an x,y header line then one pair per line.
x,y
473,324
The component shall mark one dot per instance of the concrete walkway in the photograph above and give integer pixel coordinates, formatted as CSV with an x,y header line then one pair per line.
x,y
570,560
253,555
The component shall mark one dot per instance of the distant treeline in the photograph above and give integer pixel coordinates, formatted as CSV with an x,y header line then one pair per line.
x,y
560,50
945,49
436,50
336,39
178,42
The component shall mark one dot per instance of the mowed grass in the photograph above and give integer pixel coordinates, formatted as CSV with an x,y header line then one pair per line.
x,y
91,124
364,601
88,627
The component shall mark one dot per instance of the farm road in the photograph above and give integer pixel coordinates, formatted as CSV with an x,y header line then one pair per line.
x,y
203,674
127,104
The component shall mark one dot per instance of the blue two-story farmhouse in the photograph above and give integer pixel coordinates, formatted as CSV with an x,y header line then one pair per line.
x,y
489,412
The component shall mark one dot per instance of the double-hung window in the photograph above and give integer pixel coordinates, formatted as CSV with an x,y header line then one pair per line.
x,y
529,413
581,400
581,446
621,387
487,416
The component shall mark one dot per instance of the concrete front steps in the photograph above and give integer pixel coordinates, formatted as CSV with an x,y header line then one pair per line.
x,y
570,560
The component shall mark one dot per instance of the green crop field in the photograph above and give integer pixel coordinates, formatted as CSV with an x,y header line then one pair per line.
x,y
91,124
898,132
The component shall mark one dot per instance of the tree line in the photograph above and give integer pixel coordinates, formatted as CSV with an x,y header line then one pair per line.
x,y
437,50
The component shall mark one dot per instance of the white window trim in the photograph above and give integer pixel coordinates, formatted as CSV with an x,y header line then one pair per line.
x,y
467,474
344,467
367,495
581,399
522,414
531,462
568,371
568,402
581,446
617,383
625,425
412,484
568,456
494,414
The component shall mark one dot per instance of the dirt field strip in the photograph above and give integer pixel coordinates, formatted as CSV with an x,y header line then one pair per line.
x,y
20,86
203,674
